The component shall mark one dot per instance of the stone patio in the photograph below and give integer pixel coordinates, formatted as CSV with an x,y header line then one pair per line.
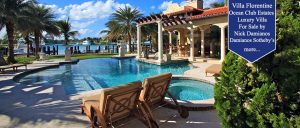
x,y
38,106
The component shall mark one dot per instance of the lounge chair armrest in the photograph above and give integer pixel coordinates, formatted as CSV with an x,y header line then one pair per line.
x,y
91,100
91,104
95,97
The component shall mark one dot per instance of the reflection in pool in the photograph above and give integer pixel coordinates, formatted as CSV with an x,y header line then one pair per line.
x,y
191,90
99,73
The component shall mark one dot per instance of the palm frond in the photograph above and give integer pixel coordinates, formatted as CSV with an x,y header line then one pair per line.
x,y
122,23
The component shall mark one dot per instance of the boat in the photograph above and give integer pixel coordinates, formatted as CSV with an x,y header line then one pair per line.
x,y
86,42
21,48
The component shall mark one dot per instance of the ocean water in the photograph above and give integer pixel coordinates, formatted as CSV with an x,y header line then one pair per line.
x,y
82,48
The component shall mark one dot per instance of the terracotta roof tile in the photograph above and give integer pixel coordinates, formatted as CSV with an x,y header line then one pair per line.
x,y
211,13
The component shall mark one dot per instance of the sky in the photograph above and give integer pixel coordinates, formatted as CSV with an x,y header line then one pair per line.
x,y
89,16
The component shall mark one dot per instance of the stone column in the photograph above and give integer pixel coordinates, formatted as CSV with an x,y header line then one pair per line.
x,y
192,45
202,42
160,41
170,43
223,50
138,41
67,53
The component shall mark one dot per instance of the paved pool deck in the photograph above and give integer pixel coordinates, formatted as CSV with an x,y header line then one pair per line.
x,y
35,106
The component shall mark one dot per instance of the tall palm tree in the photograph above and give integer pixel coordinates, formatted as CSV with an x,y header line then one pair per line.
x,y
112,33
125,17
38,19
217,4
10,12
65,29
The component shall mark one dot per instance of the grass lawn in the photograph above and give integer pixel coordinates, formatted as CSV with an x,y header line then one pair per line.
x,y
24,59
27,60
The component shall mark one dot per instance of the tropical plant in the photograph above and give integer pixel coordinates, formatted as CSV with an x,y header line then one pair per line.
x,y
149,33
38,19
122,23
65,29
10,12
216,4
112,33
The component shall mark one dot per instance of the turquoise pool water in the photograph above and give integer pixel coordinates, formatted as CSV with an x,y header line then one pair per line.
x,y
99,73
191,90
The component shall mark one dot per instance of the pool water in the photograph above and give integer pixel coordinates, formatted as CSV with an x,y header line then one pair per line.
x,y
99,73
191,90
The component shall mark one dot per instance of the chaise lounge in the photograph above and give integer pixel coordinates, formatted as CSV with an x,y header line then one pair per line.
x,y
113,104
214,69
13,66
154,90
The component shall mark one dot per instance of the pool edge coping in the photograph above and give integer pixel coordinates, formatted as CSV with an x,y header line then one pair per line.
x,y
51,65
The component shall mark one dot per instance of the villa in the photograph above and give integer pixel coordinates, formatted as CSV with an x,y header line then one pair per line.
x,y
192,24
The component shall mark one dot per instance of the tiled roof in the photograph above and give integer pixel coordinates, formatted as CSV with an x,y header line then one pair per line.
x,y
211,13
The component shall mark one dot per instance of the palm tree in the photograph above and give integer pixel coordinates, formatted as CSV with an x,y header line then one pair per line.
x,y
112,33
10,12
125,19
217,4
38,19
65,29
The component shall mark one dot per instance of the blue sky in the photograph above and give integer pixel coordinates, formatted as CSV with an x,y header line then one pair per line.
x,y
89,16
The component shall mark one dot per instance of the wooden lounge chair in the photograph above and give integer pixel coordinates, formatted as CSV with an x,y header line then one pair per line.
x,y
13,66
154,90
213,69
2,68
19,65
113,104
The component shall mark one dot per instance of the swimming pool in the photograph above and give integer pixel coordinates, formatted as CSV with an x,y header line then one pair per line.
x,y
191,90
99,73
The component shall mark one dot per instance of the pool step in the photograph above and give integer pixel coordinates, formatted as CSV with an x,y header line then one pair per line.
x,y
83,82
92,82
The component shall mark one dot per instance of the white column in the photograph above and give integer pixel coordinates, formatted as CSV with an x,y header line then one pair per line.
x,y
222,43
128,49
138,41
160,42
202,42
170,43
192,47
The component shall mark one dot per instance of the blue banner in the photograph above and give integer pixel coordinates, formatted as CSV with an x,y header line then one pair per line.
x,y
252,28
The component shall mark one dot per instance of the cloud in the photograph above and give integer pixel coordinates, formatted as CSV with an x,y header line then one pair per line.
x,y
84,31
88,10
84,15
83,24
57,10
152,7
165,5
